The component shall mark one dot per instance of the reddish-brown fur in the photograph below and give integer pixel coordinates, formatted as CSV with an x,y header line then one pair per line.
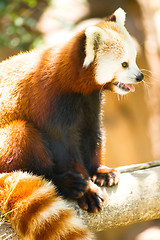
x,y
33,94
48,64
31,84
27,201
25,137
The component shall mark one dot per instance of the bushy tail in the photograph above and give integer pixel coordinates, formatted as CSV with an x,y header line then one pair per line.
x,y
36,212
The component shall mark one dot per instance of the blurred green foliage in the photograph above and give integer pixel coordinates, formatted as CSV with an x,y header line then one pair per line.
x,y
18,19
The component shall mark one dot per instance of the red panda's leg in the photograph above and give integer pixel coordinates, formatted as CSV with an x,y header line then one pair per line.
x,y
103,175
93,199
22,147
70,184
73,181
106,176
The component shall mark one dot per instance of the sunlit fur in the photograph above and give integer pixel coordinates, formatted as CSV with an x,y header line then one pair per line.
x,y
35,210
50,125
115,46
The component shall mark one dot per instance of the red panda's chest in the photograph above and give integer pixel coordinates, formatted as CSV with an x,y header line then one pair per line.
x,y
71,115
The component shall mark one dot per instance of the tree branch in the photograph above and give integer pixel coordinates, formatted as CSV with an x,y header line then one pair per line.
x,y
135,199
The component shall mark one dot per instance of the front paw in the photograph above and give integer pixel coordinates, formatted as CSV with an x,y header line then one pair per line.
x,y
105,176
70,184
92,200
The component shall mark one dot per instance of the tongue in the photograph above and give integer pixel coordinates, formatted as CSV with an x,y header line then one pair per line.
x,y
130,87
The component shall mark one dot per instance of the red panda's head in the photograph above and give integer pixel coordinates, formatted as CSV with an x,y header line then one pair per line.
x,y
111,48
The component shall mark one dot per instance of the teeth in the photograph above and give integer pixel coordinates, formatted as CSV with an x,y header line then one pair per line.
x,y
121,85
118,85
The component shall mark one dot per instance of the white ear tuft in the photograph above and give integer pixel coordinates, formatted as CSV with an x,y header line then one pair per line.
x,y
94,36
120,16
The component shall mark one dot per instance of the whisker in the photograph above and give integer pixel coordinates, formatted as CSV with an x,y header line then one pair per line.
x,y
149,71
146,83
152,74
101,90
151,77
146,86
118,96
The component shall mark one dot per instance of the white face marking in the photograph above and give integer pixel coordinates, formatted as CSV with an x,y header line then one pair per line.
x,y
114,46
92,33
109,67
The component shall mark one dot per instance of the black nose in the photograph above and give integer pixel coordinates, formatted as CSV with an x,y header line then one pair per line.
x,y
139,77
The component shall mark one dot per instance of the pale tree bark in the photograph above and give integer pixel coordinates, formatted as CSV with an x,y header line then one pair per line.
x,y
150,11
135,199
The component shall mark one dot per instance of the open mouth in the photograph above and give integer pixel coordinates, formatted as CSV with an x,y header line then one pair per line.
x,y
124,87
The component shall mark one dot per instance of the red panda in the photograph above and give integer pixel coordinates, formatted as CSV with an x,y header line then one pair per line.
x,y
50,102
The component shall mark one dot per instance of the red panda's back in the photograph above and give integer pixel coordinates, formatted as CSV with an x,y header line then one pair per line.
x,y
15,82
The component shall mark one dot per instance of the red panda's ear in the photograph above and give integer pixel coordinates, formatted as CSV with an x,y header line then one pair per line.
x,y
119,16
94,37
111,18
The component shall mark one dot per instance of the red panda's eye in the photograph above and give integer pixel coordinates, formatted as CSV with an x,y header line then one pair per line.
x,y
125,65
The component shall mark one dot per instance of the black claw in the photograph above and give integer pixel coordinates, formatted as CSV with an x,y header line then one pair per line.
x,y
98,196
104,179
